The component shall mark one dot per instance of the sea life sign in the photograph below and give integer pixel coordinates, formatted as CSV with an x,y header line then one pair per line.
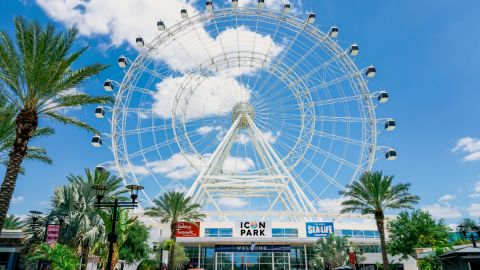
x,y
319,229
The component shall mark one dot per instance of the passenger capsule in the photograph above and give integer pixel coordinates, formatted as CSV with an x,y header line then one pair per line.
x,y
391,154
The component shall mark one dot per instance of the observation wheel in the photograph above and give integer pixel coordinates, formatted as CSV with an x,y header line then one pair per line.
x,y
249,110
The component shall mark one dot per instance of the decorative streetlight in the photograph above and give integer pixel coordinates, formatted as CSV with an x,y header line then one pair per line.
x,y
116,205
35,217
464,229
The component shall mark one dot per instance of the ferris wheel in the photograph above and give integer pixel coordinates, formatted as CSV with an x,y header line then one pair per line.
x,y
251,111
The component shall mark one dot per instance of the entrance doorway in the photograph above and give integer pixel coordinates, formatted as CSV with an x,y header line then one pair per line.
x,y
252,261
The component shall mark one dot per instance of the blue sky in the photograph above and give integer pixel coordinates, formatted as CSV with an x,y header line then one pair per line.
x,y
426,53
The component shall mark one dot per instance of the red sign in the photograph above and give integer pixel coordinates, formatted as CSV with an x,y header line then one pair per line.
x,y
352,257
187,229
52,233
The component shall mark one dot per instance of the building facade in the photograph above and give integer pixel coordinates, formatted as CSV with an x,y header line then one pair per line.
x,y
264,245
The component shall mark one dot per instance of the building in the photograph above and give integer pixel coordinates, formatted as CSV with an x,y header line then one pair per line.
x,y
265,245
10,241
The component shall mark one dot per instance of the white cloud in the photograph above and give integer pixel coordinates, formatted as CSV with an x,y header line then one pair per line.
x,y
269,137
204,130
330,205
444,210
470,146
232,202
184,166
476,190
71,91
178,166
123,21
214,96
243,138
17,199
238,164
474,209
446,198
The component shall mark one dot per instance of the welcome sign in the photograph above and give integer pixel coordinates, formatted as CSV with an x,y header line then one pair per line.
x,y
319,229
253,229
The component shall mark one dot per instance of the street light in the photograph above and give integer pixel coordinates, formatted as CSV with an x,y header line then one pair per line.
x,y
100,191
35,217
464,229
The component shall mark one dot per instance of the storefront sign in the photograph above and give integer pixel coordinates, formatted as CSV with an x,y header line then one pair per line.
x,y
187,229
319,229
253,229
252,248
52,233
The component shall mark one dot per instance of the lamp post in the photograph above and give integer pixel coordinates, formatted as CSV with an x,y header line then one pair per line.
x,y
464,229
116,206
35,217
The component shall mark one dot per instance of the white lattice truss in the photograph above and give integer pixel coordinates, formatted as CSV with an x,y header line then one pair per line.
x,y
274,180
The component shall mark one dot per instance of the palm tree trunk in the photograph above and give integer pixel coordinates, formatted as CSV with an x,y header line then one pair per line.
x,y
26,123
173,237
85,253
379,218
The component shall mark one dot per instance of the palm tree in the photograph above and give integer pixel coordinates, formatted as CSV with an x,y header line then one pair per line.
x,y
84,225
13,223
373,194
331,250
173,207
7,135
36,77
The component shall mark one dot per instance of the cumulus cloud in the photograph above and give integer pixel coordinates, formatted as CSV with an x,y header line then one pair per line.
x,y
330,205
232,202
476,190
474,209
204,130
268,136
238,164
214,96
438,210
185,166
446,198
17,199
470,146
443,208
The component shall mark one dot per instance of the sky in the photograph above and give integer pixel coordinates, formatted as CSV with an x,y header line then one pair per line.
x,y
426,53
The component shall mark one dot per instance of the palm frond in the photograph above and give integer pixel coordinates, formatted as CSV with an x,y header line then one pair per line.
x,y
70,121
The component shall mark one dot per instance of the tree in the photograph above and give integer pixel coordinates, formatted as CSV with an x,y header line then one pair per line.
x,y
330,250
134,246
372,195
36,77
417,229
173,207
7,135
59,257
432,262
84,224
12,223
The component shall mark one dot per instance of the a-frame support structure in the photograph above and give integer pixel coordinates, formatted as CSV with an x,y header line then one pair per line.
x,y
272,182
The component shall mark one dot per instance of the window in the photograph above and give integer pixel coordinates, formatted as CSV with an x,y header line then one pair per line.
x,y
369,234
357,233
347,233
284,232
218,232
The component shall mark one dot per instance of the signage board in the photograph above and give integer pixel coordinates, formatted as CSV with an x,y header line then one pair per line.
x,y
319,229
252,248
188,229
53,231
252,229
